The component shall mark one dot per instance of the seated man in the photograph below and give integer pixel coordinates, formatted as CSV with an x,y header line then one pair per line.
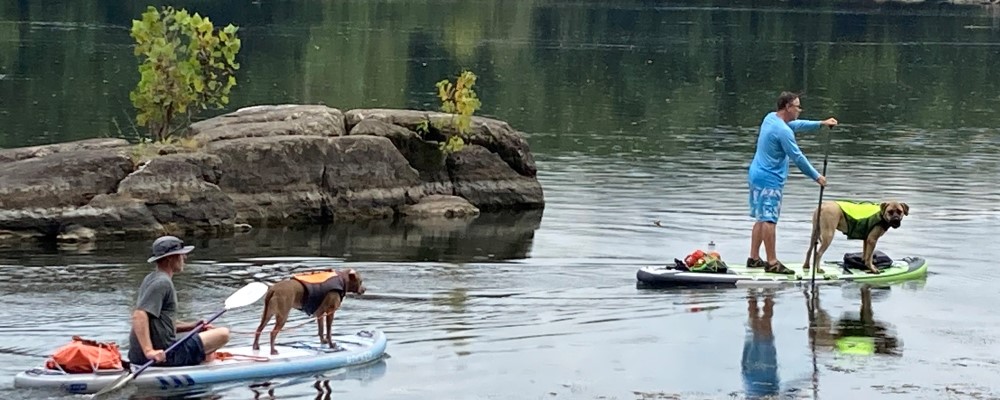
x,y
153,329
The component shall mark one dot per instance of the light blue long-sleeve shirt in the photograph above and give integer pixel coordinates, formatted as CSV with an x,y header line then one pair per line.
x,y
775,147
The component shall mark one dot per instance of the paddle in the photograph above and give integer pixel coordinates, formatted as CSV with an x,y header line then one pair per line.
x,y
247,295
826,156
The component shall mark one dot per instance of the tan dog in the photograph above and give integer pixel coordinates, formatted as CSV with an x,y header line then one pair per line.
x,y
830,217
316,293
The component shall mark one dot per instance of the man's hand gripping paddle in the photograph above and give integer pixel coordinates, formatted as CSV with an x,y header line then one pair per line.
x,y
247,295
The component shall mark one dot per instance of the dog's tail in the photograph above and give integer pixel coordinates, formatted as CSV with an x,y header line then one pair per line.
x,y
268,295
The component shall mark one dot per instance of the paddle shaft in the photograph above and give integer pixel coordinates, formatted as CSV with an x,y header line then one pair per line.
x,y
826,156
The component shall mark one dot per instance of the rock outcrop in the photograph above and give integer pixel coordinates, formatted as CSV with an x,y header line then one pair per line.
x,y
266,165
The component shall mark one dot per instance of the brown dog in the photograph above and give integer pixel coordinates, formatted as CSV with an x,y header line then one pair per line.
x,y
316,293
831,216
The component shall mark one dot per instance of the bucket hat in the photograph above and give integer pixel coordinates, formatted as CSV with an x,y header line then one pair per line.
x,y
166,246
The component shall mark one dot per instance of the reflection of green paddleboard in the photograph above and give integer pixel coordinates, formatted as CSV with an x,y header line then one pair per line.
x,y
908,268
856,345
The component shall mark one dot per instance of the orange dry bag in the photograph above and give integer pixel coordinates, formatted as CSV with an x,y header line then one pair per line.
x,y
83,355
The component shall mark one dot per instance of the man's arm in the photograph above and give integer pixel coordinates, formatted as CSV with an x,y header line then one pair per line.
x,y
151,302
183,326
804,125
791,148
187,326
140,324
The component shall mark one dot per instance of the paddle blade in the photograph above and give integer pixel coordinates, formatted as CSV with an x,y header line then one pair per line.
x,y
117,384
247,295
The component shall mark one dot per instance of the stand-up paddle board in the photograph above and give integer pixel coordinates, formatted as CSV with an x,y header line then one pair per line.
x,y
907,268
296,358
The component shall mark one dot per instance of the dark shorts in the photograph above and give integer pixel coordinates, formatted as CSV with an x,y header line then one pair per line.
x,y
191,352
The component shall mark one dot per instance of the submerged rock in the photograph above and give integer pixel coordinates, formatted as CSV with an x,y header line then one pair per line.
x,y
441,206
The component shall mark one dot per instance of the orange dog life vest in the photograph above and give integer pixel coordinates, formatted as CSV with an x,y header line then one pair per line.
x,y
317,285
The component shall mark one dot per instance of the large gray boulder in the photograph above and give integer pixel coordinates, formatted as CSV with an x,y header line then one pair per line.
x,y
496,136
181,192
263,165
44,196
23,153
63,179
270,120
495,169
423,155
306,178
481,176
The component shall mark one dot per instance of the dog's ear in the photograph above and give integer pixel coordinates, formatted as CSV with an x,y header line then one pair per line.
x,y
352,275
882,207
906,208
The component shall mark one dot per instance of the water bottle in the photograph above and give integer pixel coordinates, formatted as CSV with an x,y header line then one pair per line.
x,y
711,250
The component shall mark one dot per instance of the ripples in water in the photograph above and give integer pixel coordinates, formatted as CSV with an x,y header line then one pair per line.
x,y
545,303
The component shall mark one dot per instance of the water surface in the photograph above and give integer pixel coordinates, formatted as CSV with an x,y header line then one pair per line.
x,y
635,112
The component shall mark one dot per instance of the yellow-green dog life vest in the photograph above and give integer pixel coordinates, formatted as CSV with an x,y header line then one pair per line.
x,y
861,218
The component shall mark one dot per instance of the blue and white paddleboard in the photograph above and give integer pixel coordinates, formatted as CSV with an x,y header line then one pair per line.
x,y
294,358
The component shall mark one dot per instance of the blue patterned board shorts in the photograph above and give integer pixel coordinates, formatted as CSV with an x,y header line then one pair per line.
x,y
765,203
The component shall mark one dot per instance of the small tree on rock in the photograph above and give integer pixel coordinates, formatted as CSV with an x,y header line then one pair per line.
x,y
187,65
461,101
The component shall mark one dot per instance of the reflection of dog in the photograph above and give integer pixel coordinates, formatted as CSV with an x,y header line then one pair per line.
x,y
834,215
827,332
315,293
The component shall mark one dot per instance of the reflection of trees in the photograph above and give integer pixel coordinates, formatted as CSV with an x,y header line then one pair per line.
x,y
552,67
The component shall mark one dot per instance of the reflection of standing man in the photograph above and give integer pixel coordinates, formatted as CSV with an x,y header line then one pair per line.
x,y
851,334
760,358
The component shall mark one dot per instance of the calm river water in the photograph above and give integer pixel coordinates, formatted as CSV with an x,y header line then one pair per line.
x,y
635,112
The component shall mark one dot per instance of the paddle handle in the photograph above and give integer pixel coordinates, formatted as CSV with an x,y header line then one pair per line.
x,y
193,332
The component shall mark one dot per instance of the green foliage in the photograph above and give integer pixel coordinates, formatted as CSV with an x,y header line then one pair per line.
x,y
187,66
458,99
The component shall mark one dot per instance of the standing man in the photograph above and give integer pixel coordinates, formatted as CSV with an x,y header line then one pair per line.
x,y
153,328
768,171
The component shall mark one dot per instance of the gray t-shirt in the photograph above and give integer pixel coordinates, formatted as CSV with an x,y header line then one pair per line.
x,y
158,298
